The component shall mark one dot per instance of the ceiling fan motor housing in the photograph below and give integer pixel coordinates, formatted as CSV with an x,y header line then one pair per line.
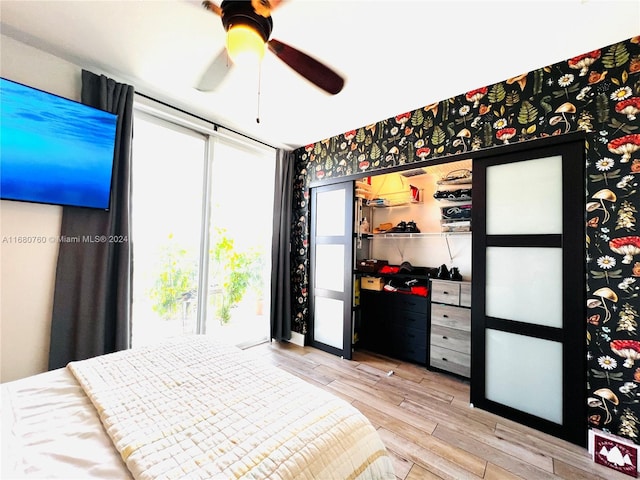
x,y
242,13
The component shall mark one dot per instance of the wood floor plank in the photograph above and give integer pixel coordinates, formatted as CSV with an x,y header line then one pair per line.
x,y
425,420
427,459
347,373
417,436
465,419
419,473
376,361
569,472
401,466
494,472
415,391
399,414
574,460
356,390
484,446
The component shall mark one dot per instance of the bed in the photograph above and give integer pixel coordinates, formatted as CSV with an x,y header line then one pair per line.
x,y
188,408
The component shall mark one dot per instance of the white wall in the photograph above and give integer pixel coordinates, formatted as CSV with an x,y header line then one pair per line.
x,y
27,270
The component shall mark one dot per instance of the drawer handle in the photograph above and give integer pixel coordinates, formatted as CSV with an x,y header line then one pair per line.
x,y
445,316
446,293
444,337
444,359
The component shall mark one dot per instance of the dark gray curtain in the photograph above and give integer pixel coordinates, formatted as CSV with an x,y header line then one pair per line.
x,y
281,247
92,297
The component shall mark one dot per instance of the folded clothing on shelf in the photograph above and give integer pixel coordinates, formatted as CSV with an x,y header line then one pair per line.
x,y
458,194
461,175
378,202
455,225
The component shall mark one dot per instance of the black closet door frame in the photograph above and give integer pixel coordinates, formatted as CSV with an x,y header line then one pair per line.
x,y
347,296
572,334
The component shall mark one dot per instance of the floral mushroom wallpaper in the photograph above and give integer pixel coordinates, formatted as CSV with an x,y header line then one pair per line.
x,y
598,93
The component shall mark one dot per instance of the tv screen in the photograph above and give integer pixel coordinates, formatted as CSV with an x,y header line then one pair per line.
x,y
54,150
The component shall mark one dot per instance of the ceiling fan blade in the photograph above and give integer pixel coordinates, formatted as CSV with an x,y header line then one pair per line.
x,y
311,69
215,73
212,7
265,7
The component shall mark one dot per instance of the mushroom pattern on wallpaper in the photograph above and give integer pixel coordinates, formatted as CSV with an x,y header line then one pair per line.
x,y
630,107
625,146
601,196
627,246
627,349
595,93
607,396
584,61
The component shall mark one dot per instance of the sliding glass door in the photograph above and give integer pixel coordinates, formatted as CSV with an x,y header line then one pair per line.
x,y
202,204
168,175
240,232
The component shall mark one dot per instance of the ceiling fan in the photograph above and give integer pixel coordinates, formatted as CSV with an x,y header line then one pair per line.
x,y
250,22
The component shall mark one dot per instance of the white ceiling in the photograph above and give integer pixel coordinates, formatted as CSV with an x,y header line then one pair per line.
x,y
396,55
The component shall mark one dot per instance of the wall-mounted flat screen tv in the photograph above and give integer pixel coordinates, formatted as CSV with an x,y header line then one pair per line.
x,y
54,150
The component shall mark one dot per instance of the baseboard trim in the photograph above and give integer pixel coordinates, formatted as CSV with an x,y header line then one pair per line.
x,y
297,339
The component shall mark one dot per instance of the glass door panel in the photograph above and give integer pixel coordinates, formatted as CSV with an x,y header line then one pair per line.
x,y
525,373
330,213
525,284
167,180
240,233
327,325
524,197
329,266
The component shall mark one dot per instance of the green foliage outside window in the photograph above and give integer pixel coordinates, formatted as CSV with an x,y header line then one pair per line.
x,y
176,282
232,274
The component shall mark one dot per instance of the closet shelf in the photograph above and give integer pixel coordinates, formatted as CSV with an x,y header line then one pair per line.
x,y
413,235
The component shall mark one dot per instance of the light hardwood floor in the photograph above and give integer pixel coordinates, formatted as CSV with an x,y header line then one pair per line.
x,y
425,420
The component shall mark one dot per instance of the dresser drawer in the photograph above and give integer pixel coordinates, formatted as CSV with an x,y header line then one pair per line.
x,y
457,340
443,291
410,303
452,317
450,360
465,295
408,343
405,319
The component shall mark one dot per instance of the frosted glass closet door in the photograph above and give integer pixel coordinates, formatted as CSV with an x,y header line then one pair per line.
x,y
524,284
331,231
528,358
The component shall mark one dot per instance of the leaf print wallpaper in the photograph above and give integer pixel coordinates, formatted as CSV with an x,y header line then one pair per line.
x,y
597,93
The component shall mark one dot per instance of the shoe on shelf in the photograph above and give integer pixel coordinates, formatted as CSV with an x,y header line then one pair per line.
x,y
454,274
412,227
443,272
405,267
400,228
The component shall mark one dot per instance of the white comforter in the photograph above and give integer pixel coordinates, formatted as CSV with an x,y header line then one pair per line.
x,y
193,408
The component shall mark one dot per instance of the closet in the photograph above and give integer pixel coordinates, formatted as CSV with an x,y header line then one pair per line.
x,y
410,226
519,337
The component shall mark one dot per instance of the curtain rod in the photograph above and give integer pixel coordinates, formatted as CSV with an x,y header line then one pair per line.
x,y
215,125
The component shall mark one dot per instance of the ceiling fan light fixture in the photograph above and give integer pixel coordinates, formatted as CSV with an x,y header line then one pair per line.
x,y
245,44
